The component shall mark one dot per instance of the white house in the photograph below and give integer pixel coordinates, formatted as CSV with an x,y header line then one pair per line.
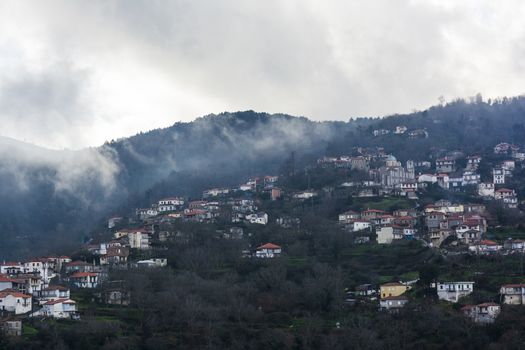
x,y
452,291
305,195
155,262
268,250
498,176
486,189
482,313
400,129
485,247
386,234
84,279
16,302
513,294
53,293
359,225
347,216
139,239
504,193
59,308
257,218
516,245
393,302
176,201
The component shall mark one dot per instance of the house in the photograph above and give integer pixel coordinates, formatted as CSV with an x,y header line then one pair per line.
x,y
400,129
173,201
386,234
42,266
268,250
215,192
391,176
405,221
486,189
470,178
366,291
393,303
78,265
115,256
348,216
372,214
498,176
418,133
482,313
10,283
380,132
513,294
504,193
434,218
257,218
10,327
485,247
359,225
84,279
54,293
474,208
15,302
452,291
116,296
445,165
154,262
516,245
392,289
473,162
139,239
305,195
10,267
59,308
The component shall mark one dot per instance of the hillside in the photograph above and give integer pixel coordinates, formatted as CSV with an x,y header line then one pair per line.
x,y
65,194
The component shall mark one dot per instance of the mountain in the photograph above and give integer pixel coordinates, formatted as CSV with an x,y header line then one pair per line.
x,y
51,199
54,198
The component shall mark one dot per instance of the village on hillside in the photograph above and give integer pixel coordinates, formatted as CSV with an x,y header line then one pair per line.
x,y
452,203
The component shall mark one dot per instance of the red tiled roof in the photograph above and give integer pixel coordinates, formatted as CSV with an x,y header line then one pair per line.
x,y
14,293
516,285
269,246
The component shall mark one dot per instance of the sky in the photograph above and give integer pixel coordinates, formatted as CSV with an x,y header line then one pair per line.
x,y
75,74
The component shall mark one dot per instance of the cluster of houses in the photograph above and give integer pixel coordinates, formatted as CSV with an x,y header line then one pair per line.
x,y
401,224
392,296
28,288
453,171
215,203
402,130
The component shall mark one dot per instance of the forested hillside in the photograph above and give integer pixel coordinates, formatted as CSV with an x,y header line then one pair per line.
x,y
58,196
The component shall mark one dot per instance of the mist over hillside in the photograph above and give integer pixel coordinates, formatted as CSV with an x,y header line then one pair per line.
x,y
52,199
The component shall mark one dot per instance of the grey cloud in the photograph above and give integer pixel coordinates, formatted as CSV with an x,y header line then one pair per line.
x,y
324,60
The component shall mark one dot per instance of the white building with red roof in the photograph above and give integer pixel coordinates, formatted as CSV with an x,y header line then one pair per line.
x,y
268,250
53,292
482,313
84,279
59,308
14,301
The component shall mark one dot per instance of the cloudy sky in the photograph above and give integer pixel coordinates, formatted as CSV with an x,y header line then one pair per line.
x,y
77,73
